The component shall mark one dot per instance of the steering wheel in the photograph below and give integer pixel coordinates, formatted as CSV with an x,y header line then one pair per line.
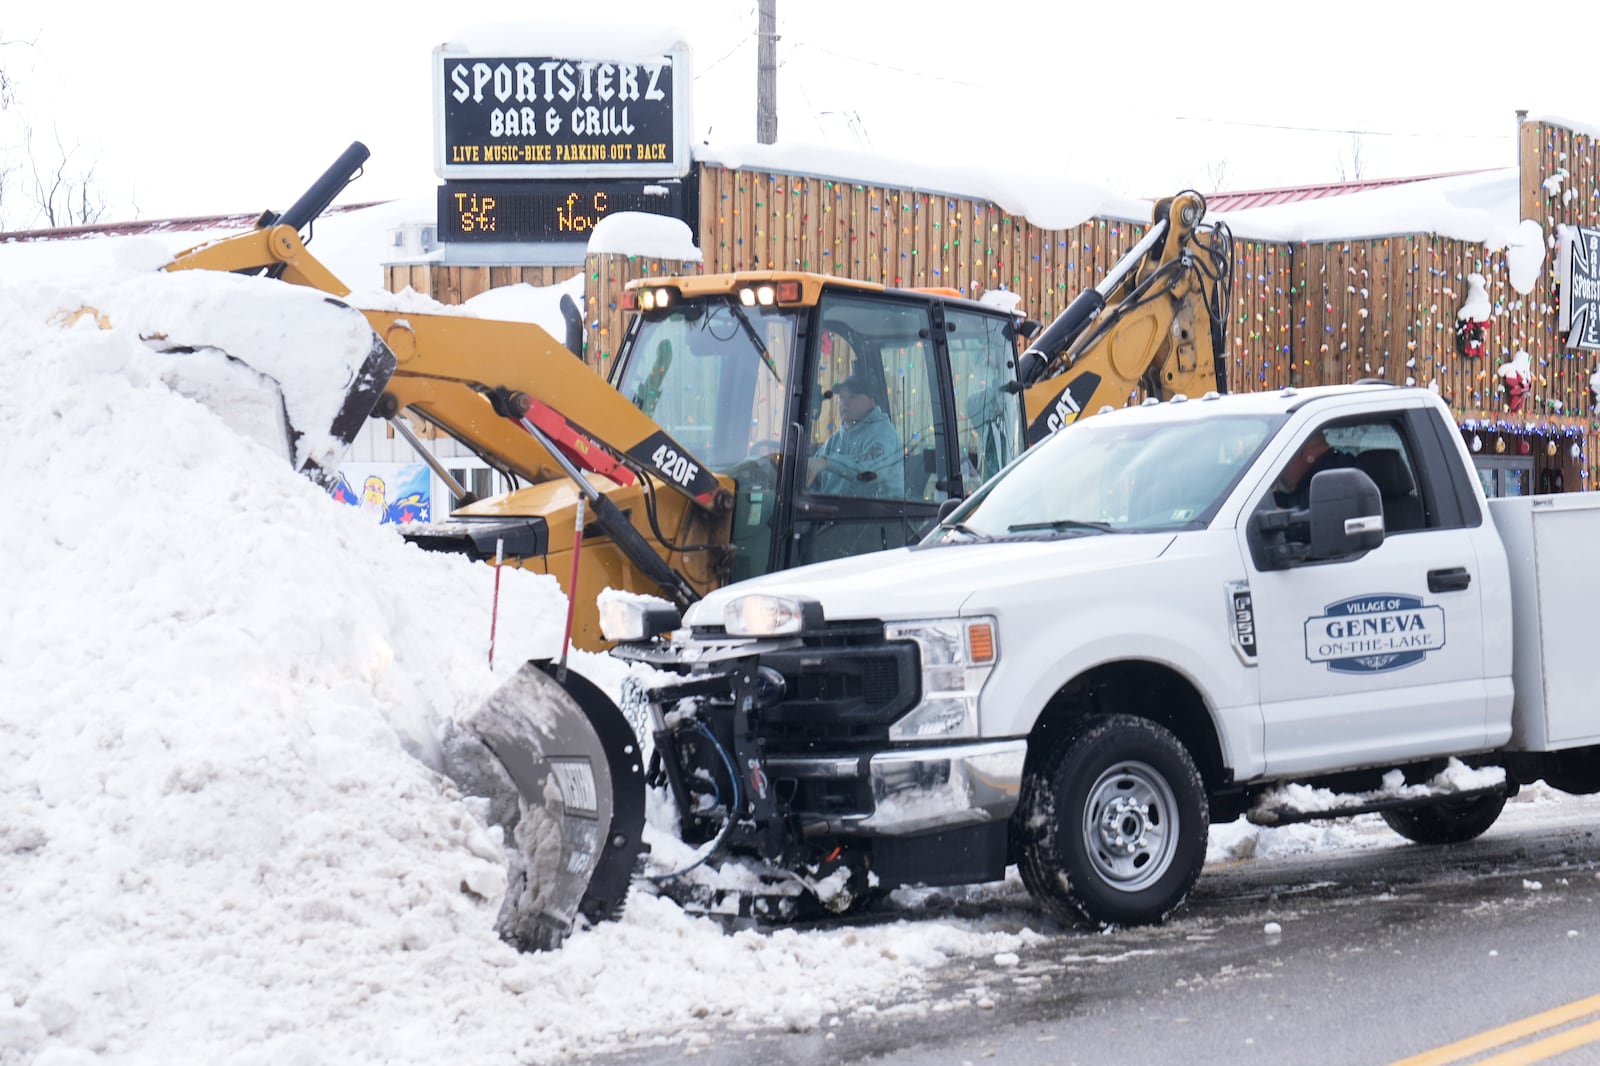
x,y
759,469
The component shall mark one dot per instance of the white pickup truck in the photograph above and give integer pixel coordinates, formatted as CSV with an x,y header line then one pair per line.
x,y
1138,628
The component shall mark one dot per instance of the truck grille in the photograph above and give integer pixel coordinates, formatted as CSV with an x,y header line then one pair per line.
x,y
840,698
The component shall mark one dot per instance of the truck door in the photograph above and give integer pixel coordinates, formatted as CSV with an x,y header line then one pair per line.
x,y
1376,657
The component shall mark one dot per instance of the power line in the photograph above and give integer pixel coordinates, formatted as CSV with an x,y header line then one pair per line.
x,y
731,52
885,66
1356,133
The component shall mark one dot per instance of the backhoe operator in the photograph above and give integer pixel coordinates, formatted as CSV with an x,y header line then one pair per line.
x,y
864,456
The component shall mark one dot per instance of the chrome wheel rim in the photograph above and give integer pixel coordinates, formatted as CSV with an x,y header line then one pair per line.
x,y
1130,826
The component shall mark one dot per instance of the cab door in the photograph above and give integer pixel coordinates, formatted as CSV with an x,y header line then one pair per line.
x,y
1377,657
887,346
988,404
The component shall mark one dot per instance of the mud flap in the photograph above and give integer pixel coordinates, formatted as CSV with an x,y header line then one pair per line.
x,y
562,771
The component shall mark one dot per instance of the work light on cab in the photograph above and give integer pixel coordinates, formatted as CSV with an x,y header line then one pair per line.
x,y
652,298
765,295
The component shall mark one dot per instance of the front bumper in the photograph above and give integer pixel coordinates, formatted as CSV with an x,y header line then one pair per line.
x,y
916,790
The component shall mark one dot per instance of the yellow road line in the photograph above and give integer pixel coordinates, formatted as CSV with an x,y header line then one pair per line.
x,y
1519,1030
1549,1047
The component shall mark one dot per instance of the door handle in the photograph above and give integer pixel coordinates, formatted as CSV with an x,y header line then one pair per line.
x,y
1452,580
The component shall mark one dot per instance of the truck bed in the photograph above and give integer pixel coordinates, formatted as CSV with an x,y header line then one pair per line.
x,y
1551,543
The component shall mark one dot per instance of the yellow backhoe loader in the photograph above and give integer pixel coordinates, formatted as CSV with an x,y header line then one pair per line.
x,y
731,440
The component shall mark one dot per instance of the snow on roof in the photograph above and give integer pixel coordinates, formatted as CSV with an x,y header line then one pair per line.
x,y
614,42
1047,201
1479,206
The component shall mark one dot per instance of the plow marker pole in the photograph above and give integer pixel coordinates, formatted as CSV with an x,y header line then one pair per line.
x,y
572,589
494,610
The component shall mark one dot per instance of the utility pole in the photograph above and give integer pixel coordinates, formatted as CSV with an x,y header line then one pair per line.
x,y
767,73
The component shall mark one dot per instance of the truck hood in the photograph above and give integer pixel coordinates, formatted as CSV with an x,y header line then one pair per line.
x,y
936,581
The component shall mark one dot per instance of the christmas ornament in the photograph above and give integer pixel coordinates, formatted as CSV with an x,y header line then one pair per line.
x,y
1518,379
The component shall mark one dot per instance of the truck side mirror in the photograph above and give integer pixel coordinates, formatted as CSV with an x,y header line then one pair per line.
x,y
1346,514
1345,518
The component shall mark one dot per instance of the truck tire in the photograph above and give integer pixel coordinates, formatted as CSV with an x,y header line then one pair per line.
x,y
1112,824
1451,821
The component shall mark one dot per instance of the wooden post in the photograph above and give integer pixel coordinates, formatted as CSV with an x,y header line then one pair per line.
x,y
767,73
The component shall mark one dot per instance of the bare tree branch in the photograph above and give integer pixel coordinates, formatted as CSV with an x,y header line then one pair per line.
x,y
1350,163
63,192
1217,175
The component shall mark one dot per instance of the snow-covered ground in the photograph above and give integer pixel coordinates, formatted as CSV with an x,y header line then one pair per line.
x,y
221,840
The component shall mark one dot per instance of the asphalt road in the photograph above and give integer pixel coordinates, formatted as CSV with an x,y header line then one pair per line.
x,y
1380,953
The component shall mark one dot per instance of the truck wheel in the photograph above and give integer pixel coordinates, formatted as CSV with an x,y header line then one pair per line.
x,y
1112,824
1451,821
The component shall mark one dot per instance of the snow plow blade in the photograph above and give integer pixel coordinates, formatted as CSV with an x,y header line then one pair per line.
x,y
562,771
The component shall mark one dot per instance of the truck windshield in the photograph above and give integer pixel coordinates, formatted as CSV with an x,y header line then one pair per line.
x,y
713,375
1114,475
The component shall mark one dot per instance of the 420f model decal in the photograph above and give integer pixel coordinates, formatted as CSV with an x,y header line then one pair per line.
x,y
670,460
1374,633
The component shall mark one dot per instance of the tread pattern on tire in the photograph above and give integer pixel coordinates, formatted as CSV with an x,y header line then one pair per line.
x,y
1039,841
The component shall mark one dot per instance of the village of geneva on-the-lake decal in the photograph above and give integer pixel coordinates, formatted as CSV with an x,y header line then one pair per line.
x,y
1368,634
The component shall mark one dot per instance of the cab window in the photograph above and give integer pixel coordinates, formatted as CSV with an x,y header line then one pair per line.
x,y
988,413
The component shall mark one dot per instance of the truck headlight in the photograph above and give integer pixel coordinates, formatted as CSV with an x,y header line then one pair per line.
x,y
957,655
762,615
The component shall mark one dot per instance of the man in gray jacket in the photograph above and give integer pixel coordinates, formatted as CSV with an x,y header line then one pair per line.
x,y
864,456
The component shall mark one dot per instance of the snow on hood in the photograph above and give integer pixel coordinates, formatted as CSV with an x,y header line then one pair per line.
x,y
935,581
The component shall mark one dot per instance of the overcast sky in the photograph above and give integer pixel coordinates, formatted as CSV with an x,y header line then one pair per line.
x,y
187,114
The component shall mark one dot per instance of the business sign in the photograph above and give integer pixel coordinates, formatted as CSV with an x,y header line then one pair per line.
x,y
553,210
543,116
1578,271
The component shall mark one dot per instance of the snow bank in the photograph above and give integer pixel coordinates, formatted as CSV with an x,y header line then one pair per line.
x,y
222,841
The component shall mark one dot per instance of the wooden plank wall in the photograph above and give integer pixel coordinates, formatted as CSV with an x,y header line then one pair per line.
x,y
755,220
1387,308
1260,336
458,284
603,318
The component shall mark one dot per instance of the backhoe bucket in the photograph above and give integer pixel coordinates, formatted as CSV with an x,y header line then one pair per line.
x,y
360,399
562,771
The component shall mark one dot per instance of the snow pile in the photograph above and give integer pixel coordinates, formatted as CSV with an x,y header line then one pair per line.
x,y
221,842
1476,307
